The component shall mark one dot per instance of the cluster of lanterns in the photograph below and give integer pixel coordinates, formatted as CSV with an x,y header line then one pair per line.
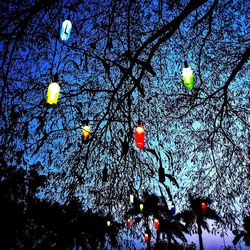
x,y
52,99
54,90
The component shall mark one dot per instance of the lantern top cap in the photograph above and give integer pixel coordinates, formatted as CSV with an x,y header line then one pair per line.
x,y
56,77
85,122
139,123
185,64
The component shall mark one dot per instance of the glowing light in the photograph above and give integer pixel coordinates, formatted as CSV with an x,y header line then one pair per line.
x,y
86,132
139,137
204,207
156,224
188,77
141,207
131,198
53,93
65,30
129,222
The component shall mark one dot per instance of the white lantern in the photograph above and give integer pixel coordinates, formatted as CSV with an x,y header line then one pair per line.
x,y
65,30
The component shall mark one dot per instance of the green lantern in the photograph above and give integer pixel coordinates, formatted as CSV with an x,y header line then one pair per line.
x,y
188,77
108,223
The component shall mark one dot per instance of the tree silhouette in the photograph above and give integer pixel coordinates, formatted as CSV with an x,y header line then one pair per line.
x,y
27,222
199,215
122,63
155,207
245,233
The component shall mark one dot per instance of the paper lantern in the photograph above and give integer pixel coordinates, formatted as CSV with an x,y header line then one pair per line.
x,y
131,198
146,237
139,136
188,77
141,207
129,222
156,224
65,30
108,223
204,207
172,210
85,132
53,93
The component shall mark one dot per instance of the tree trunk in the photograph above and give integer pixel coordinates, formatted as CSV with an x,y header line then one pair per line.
x,y
149,236
200,235
169,240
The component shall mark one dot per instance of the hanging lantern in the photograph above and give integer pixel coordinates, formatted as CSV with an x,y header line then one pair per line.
x,y
204,207
129,222
131,198
139,136
161,174
188,77
85,132
141,207
156,224
108,223
172,210
65,30
146,237
53,91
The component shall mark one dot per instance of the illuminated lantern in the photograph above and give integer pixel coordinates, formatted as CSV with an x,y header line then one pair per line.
x,y
53,91
131,198
139,136
129,222
65,30
108,223
156,224
188,77
204,207
146,237
141,207
85,132
172,210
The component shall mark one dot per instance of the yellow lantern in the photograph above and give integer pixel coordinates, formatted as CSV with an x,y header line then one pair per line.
x,y
108,223
53,93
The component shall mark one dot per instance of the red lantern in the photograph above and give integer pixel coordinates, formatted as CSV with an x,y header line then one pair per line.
x,y
156,224
139,136
129,222
146,237
204,207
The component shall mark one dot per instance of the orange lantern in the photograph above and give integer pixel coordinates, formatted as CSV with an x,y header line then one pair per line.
x,y
139,136
156,224
85,132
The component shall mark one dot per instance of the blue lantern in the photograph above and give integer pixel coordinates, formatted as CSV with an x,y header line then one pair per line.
x,y
172,210
65,30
